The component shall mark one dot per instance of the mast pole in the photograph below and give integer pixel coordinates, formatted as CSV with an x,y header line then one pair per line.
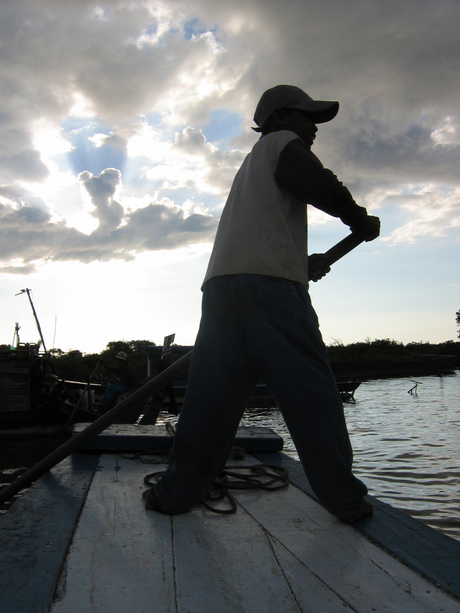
x,y
27,291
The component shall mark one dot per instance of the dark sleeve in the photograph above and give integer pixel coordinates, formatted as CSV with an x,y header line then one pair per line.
x,y
301,173
134,379
128,375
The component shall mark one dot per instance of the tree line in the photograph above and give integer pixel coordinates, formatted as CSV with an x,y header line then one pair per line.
x,y
77,366
386,349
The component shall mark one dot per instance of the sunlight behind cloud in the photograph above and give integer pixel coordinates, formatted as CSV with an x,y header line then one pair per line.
x,y
148,141
49,140
448,133
81,107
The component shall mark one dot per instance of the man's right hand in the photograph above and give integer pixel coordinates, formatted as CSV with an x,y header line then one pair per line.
x,y
369,228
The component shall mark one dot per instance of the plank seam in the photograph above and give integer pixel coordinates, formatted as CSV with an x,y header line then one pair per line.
x,y
412,565
286,578
174,565
271,537
61,581
425,533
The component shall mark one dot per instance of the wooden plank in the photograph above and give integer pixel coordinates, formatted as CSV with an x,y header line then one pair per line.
x,y
120,559
224,563
281,551
151,439
227,563
36,532
431,553
125,558
258,439
128,437
364,575
312,594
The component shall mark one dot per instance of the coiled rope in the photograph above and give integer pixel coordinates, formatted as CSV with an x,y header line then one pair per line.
x,y
258,476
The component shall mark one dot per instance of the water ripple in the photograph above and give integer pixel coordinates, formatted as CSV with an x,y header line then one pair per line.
x,y
406,447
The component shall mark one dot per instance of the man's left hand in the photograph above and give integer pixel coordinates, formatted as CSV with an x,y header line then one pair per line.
x,y
318,266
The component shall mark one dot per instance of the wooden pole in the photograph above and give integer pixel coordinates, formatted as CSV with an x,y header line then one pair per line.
x,y
336,252
343,247
27,290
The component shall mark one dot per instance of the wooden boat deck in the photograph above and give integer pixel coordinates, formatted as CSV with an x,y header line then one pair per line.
x,y
128,437
81,540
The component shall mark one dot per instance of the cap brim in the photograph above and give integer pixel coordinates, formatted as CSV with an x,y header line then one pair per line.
x,y
321,110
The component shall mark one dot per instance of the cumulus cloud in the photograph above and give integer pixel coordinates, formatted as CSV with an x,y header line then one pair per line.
x,y
101,190
134,57
101,74
217,167
413,153
430,212
28,237
26,164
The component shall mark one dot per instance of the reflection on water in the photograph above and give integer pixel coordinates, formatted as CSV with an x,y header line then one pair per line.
x,y
406,446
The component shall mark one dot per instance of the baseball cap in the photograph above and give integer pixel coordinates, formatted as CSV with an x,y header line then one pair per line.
x,y
289,96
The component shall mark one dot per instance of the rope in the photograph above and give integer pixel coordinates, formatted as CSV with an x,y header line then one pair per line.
x,y
145,456
267,477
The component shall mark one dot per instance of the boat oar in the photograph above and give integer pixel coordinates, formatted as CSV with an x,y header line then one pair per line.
x,y
343,247
103,422
318,266
338,251
156,384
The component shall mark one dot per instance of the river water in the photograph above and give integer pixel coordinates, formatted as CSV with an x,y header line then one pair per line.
x,y
406,445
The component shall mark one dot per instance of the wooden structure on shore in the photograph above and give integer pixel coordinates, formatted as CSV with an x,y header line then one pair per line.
x,y
80,539
15,375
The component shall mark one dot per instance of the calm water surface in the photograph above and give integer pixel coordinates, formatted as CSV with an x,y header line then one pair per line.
x,y
406,446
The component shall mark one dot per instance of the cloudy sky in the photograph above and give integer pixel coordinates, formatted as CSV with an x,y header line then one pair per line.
x,y
122,124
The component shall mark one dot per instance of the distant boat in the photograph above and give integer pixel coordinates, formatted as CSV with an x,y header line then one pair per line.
x,y
26,400
347,390
262,397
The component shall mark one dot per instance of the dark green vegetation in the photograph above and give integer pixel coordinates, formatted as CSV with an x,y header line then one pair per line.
x,y
77,366
387,349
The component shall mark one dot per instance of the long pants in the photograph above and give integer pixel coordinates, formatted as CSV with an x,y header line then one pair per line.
x,y
110,395
254,327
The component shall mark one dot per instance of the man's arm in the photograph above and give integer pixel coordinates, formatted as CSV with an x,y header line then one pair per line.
x,y
301,173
